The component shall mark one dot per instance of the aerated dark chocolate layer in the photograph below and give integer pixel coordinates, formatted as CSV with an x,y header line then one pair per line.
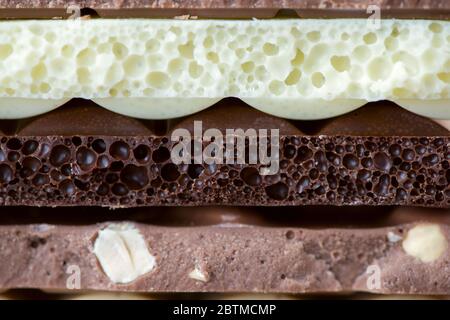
x,y
428,9
85,155
226,256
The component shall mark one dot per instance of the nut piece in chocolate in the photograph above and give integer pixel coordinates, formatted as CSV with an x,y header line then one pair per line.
x,y
199,275
425,242
123,253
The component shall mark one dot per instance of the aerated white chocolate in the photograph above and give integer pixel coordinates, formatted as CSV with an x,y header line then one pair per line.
x,y
159,69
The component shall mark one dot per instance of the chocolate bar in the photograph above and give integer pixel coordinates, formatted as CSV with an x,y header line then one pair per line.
x,y
271,154
236,9
23,294
34,294
226,256
303,69
370,156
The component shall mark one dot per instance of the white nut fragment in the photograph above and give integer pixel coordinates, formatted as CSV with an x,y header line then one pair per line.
x,y
123,253
393,237
199,275
425,242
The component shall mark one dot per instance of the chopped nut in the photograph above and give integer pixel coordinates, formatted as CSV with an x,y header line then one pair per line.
x,y
393,237
425,242
199,275
123,253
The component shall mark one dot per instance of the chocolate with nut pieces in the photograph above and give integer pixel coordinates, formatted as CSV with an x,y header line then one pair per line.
x,y
226,256
310,190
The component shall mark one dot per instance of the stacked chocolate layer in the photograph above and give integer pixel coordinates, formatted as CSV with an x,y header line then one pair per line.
x,y
211,249
228,9
378,155
358,202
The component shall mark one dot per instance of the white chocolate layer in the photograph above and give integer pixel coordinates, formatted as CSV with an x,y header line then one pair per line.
x,y
156,108
18,108
437,109
305,109
298,69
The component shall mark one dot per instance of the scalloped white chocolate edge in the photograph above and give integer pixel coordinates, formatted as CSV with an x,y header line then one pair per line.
x,y
168,108
444,123
163,68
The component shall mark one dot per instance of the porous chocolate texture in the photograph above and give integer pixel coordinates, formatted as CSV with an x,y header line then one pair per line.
x,y
428,9
230,256
81,154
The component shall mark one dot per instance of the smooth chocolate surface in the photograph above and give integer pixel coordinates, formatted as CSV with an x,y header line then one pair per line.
x,y
36,294
84,117
84,155
235,257
431,9
311,217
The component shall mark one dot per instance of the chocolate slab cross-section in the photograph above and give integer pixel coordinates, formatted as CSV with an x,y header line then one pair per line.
x,y
310,217
428,9
84,155
228,256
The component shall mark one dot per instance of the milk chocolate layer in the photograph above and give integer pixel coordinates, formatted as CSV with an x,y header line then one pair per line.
x,y
311,217
232,257
433,9
82,154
